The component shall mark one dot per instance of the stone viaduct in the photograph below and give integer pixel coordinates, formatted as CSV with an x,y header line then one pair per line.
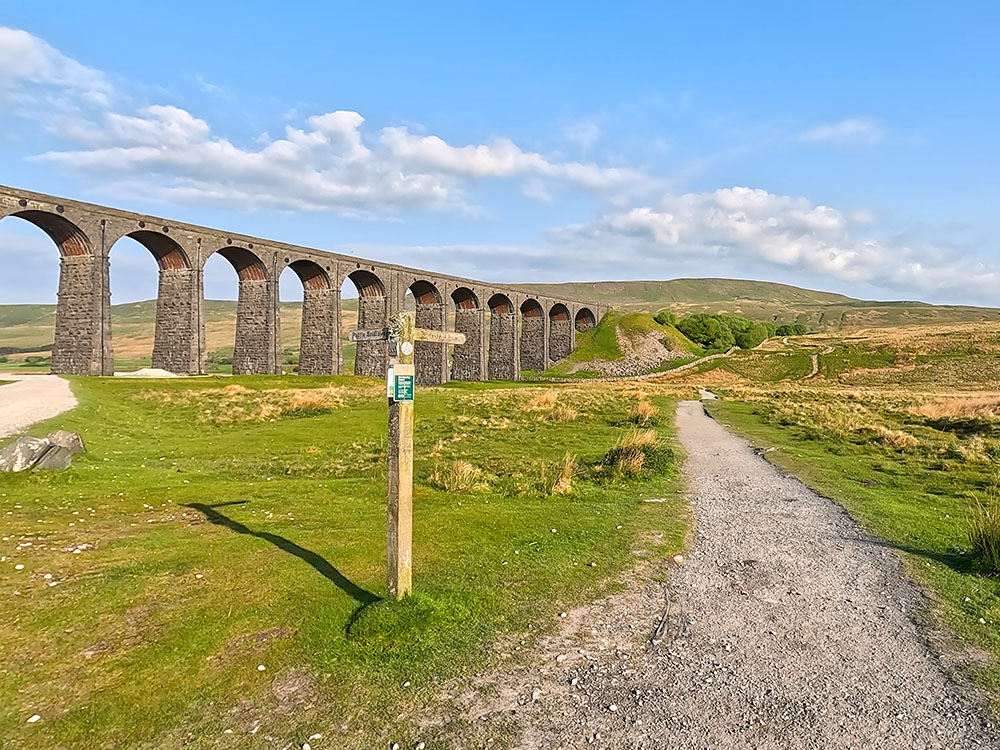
x,y
507,330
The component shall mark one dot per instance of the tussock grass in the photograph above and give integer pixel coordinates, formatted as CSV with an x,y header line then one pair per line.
x,y
897,439
547,408
644,414
564,484
458,476
984,532
636,453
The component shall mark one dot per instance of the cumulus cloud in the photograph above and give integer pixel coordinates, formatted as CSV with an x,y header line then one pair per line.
x,y
27,61
333,163
740,224
852,131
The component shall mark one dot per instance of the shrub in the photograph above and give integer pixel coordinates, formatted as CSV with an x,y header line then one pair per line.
x,y
984,533
666,318
790,329
637,452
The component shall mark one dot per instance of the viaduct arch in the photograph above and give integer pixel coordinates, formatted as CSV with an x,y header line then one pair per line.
x,y
507,329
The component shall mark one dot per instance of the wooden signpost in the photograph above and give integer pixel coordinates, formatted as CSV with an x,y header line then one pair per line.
x,y
400,379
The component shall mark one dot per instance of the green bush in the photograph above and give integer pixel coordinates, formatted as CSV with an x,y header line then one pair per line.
x,y
707,330
753,336
666,318
790,329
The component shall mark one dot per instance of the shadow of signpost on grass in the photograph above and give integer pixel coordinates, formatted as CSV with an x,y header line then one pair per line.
x,y
318,563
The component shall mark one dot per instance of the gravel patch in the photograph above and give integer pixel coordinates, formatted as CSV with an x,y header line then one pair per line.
x,y
786,626
31,399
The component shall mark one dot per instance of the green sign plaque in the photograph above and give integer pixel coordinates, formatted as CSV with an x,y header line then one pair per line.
x,y
403,390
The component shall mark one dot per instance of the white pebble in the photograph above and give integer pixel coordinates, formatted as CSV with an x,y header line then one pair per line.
x,y
34,718
19,566
612,708
261,667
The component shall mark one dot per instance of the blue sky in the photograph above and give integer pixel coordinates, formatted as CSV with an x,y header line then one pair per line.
x,y
843,146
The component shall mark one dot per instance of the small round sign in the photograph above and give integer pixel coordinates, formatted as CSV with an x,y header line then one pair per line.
x,y
406,347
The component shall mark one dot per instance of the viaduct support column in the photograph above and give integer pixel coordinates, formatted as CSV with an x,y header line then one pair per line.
x,y
318,354
560,339
82,344
503,359
533,349
431,358
469,360
176,342
255,351
371,355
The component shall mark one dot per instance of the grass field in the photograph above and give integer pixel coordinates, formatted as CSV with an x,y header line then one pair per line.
x,y
217,526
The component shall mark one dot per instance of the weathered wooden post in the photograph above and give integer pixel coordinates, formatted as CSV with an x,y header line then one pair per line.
x,y
399,383
400,379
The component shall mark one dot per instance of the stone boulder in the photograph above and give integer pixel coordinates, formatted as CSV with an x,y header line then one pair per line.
x,y
55,451
23,453
56,457
71,441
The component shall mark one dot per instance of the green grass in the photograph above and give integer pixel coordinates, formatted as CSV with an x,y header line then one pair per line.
x,y
918,500
209,547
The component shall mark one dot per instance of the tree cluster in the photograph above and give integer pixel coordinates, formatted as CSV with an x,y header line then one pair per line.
x,y
722,332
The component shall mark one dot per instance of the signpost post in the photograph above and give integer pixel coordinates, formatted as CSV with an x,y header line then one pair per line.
x,y
400,377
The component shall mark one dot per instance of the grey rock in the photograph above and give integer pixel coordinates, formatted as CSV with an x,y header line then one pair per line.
x,y
67,439
22,453
56,457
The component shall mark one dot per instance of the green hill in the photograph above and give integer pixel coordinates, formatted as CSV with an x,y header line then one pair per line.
x,y
764,301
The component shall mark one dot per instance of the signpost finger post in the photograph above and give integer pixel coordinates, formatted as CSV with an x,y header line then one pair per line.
x,y
400,381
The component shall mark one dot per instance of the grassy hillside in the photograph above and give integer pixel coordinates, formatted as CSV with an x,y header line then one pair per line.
x,y
764,301
27,326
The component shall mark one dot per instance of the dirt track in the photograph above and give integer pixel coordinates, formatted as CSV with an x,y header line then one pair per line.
x,y
31,399
788,627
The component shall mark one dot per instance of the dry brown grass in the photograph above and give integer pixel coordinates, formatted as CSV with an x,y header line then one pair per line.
x,y
644,413
235,403
897,439
636,439
542,401
564,483
458,476
971,407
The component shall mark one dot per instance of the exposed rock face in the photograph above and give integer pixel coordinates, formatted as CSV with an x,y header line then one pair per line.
x,y
55,451
641,354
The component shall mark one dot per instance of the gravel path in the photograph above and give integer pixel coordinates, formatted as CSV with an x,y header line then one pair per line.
x,y
787,627
31,399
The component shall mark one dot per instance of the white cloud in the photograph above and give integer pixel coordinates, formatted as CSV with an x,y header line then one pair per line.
x,y
852,131
743,225
28,63
333,163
